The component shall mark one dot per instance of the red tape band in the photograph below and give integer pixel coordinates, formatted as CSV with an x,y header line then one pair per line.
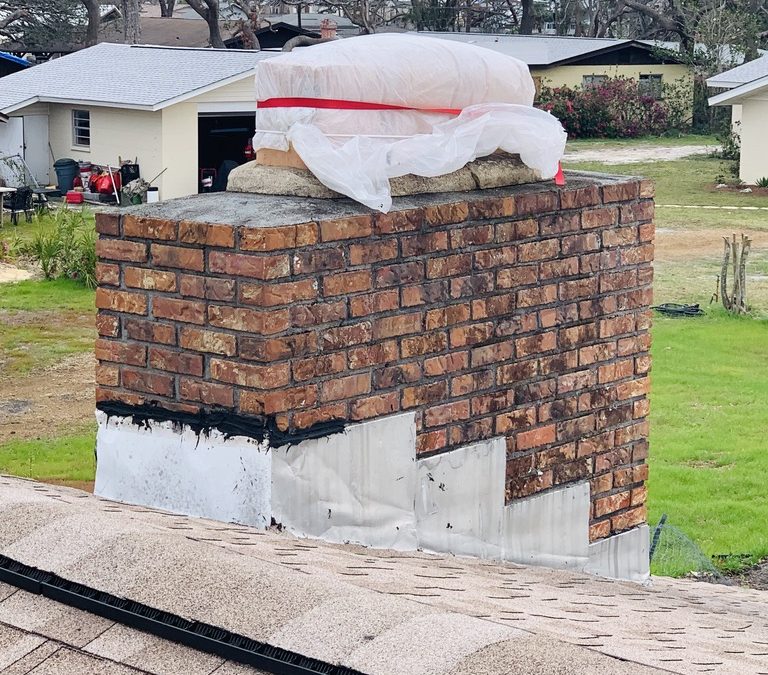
x,y
341,104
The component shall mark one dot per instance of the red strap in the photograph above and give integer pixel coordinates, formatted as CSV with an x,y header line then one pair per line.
x,y
341,104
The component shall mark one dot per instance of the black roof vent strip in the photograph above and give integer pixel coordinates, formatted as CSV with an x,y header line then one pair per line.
x,y
201,636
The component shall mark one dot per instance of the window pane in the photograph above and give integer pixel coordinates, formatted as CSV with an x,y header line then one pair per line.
x,y
81,127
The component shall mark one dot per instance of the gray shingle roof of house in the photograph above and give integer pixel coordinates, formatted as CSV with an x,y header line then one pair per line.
x,y
536,50
130,76
378,611
746,72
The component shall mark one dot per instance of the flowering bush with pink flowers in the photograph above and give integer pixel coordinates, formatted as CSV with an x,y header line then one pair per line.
x,y
614,108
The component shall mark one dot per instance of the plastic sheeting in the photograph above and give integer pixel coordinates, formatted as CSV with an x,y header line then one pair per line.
x,y
356,152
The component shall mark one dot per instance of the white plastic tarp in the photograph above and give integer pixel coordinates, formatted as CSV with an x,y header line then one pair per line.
x,y
356,152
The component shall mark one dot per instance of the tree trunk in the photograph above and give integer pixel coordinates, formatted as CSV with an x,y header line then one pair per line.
x,y
527,19
209,11
131,22
94,18
166,8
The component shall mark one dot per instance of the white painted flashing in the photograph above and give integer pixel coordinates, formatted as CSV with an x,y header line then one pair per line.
x,y
365,486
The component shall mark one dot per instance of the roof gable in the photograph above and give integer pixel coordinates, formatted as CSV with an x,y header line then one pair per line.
x,y
735,77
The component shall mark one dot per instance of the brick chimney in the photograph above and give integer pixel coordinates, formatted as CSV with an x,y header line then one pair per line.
x,y
467,373
328,29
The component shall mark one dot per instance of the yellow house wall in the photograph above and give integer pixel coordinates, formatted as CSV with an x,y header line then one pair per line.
x,y
571,76
179,148
754,141
115,133
242,90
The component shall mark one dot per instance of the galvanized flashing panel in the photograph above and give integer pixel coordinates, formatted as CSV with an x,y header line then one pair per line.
x,y
356,486
551,529
176,469
460,500
622,556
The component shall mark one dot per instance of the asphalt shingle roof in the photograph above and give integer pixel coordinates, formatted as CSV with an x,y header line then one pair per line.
x,y
746,72
135,76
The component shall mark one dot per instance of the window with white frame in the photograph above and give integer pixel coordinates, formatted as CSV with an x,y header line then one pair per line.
x,y
81,128
652,85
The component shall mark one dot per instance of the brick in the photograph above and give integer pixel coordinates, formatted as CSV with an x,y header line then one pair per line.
x,y
344,283
398,221
345,387
523,487
472,382
618,325
107,325
604,217
559,223
499,351
107,274
535,344
187,311
272,349
317,313
304,419
275,294
491,207
537,295
495,257
208,341
449,266
472,286
515,420
393,376
538,250
248,375
116,249
466,236
423,243
620,236
447,316
371,252
243,319
374,303
612,503
425,293
637,211
149,280
621,192
148,228
595,444
108,223
374,406
580,243
346,336
616,371
319,366
121,352
176,362
278,238
178,256
290,399
354,227
446,363
517,372
206,392
252,403
108,375
401,324
471,430
249,265
431,441
536,437
641,408
628,519
206,234
150,331
427,394
637,255
129,398
446,214
121,301
599,530
444,414
536,202
647,232
400,274
148,383
318,260
639,496
514,277
477,333
428,343
580,197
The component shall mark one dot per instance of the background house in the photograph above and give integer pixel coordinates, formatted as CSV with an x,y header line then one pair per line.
x,y
745,89
10,64
571,61
175,109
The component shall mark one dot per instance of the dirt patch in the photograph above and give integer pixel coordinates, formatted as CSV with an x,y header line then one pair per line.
x,y
48,402
84,485
755,577
687,245
10,273
739,189
637,154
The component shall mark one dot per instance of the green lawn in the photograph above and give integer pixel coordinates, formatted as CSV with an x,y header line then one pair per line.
x,y
660,141
709,433
66,458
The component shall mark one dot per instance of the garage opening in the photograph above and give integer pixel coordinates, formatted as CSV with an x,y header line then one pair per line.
x,y
222,139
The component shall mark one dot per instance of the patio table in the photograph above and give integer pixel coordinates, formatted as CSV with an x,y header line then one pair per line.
x,y
3,192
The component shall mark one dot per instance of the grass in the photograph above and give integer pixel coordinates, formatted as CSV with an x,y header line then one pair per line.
x,y
27,230
67,458
661,141
43,322
709,435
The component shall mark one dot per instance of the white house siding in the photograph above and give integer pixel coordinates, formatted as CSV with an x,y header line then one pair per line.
x,y
115,132
179,150
241,93
754,140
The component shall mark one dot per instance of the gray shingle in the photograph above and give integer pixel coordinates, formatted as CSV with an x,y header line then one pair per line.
x,y
746,72
126,75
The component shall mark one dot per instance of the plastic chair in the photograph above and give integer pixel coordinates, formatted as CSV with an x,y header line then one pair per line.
x,y
20,202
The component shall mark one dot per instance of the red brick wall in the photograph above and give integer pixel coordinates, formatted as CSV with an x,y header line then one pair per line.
x,y
523,314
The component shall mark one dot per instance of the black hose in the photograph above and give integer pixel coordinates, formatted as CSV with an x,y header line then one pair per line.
x,y
675,309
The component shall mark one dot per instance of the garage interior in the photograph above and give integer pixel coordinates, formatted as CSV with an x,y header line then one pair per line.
x,y
222,141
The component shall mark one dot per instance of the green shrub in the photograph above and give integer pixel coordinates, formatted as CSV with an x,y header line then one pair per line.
x,y
66,249
762,182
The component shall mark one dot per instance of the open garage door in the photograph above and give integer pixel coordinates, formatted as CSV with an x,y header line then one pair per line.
x,y
222,139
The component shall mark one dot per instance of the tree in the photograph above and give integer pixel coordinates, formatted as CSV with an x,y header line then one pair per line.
x,y
131,21
47,24
166,8
94,19
209,11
